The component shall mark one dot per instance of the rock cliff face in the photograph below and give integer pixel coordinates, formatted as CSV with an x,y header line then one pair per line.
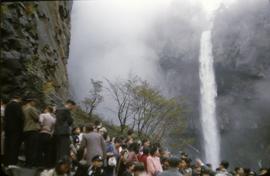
x,y
34,49
241,48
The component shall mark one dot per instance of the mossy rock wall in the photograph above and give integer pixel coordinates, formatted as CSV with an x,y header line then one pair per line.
x,y
35,40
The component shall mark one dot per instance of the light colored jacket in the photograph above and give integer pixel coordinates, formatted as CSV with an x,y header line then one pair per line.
x,y
153,165
47,122
31,119
94,144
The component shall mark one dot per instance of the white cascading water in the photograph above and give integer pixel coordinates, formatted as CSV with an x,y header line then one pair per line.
x,y
208,104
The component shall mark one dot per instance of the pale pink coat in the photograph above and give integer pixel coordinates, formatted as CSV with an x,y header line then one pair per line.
x,y
153,165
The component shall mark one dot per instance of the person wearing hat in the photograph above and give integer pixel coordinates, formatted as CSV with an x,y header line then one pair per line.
x,y
173,168
31,132
13,128
96,169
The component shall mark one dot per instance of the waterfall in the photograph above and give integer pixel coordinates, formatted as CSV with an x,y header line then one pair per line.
x,y
208,105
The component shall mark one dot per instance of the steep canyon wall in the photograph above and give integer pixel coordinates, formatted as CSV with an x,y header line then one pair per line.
x,y
34,49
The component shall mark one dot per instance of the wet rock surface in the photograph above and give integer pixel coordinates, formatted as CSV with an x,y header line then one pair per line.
x,y
241,48
35,40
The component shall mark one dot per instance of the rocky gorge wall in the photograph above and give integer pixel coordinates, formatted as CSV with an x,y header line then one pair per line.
x,y
35,40
241,48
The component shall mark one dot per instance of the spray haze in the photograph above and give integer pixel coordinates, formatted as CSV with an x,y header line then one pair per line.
x,y
159,40
109,38
108,41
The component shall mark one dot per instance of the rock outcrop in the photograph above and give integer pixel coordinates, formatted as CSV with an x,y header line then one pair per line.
x,y
35,40
241,48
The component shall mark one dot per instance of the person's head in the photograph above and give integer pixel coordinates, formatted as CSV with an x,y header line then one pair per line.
x,y
173,162
146,150
197,170
224,165
102,130
154,151
83,129
165,153
70,105
165,163
239,170
183,164
205,172
130,132
89,128
130,166
63,166
134,147
246,171
129,141
97,161
117,142
76,130
31,102
97,126
139,169
252,173
97,123
124,146
106,137
17,98
236,169
48,109
183,155
161,151
146,143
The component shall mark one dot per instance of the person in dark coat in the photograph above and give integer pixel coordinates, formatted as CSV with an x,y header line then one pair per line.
x,y
62,130
13,127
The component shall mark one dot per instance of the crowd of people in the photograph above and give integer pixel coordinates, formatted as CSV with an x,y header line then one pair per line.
x,y
52,142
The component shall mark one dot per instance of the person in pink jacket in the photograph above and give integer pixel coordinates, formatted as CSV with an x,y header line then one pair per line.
x,y
153,162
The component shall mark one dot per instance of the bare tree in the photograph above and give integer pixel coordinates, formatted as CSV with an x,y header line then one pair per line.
x,y
122,95
95,97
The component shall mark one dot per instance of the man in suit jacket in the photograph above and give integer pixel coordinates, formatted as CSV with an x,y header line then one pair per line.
x,y
13,127
94,144
62,131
